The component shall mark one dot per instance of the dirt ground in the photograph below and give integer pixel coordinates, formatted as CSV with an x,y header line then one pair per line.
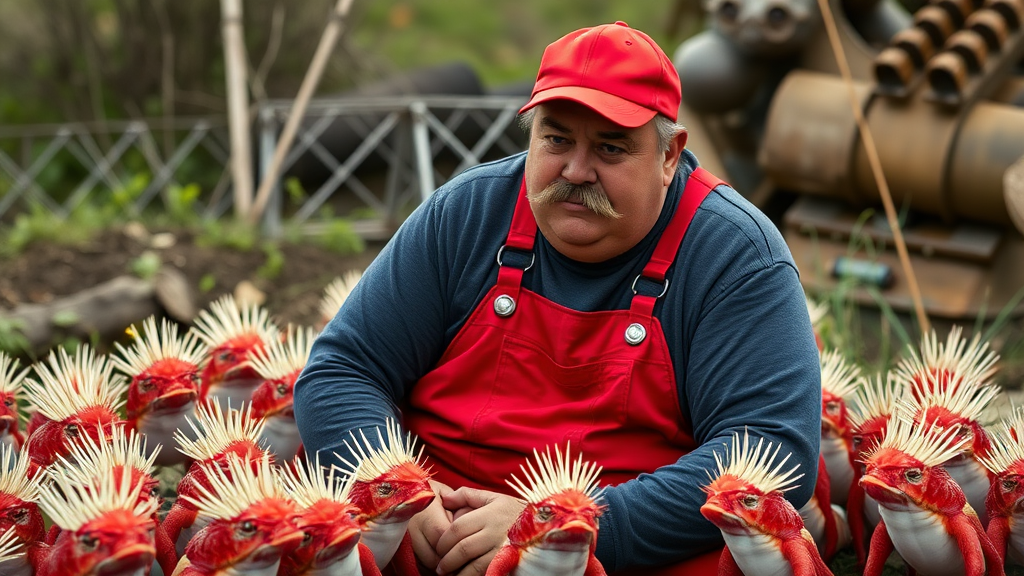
x,y
43,272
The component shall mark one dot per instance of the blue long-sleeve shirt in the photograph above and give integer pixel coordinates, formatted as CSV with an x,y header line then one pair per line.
x,y
735,323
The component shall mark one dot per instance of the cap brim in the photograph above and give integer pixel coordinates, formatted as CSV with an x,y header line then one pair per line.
x,y
618,110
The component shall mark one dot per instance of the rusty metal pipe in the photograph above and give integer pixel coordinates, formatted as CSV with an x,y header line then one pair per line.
x,y
932,158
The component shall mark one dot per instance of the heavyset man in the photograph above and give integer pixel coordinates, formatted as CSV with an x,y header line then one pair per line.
x,y
600,289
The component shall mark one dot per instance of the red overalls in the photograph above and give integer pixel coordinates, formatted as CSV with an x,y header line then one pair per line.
x,y
526,373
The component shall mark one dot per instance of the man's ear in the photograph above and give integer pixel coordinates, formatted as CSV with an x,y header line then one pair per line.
x,y
675,148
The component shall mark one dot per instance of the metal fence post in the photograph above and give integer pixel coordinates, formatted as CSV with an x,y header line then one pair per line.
x,y
268,142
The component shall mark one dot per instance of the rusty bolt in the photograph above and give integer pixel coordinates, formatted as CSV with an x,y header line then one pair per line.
x,y
893,70
991,26
971,47
947,75
936,22
1011,10
958,10
916,43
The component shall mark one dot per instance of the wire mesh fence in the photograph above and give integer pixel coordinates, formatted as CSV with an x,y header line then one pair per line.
x,y
376,158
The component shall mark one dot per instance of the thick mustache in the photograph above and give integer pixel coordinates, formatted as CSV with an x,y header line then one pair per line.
x,y
587,194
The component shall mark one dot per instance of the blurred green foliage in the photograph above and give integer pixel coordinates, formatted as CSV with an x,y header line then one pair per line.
x,y
502,40
104,59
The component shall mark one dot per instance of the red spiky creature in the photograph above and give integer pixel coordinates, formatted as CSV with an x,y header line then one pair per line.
x,y
817,312
873,405
823,517
959,408
10,391
105,529
13,561
74,398
925,515
938,366
1005,502
232,332
839,380
19,511
764,534
557,531
126,453
216,435
279,365
330,545
391,486
335,295
164,376
252,522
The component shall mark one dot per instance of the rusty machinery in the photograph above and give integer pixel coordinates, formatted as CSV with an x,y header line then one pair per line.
x,y
942,90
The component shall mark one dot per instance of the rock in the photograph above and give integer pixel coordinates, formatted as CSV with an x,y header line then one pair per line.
x,y
136,231
162,241
174,294
246,294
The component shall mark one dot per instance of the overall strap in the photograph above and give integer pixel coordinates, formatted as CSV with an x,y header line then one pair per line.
x,y
698,186
521,236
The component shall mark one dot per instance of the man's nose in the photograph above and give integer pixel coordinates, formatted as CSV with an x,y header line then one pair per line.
x,y
579,167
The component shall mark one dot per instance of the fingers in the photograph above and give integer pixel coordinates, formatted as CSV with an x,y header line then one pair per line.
x,y
461,529
474,537
470,555
426,528
477,567
467,498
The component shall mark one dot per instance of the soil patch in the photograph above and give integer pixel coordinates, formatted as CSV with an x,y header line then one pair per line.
x,y
45,271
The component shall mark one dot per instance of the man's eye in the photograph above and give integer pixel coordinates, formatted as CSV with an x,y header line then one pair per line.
x,y
556,140
610,149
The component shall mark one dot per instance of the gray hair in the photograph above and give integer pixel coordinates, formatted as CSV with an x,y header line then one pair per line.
x,y
667,129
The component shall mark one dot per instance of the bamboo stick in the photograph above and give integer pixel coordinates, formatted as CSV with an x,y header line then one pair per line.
x,y
238,105
323,51
876,166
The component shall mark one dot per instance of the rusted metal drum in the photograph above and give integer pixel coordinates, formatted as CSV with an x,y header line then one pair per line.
x,y
950,163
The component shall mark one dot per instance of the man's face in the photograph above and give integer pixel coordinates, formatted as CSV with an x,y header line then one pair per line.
x,y
596,188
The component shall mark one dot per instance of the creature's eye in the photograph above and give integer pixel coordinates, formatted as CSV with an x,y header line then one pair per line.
x,y
777,16
1009,485
71,430
155,492
225,356
750,501
194,376
913,475
282,390
20,515
8,401
89,543
306,539
832,407
146,384
247,528
857,440
545,514
385,489
728,11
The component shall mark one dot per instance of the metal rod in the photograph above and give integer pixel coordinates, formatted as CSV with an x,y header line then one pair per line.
x,y
876,165
238,105
309,83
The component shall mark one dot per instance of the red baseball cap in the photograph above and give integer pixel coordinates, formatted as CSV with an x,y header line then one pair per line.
x,y
617,71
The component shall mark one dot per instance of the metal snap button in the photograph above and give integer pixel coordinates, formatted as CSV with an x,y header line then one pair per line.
x,y
635,334
504,305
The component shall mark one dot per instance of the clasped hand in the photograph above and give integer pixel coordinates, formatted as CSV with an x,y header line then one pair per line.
x,y
462,530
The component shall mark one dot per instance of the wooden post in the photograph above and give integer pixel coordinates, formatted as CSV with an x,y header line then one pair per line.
x,y
238,105
309,84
